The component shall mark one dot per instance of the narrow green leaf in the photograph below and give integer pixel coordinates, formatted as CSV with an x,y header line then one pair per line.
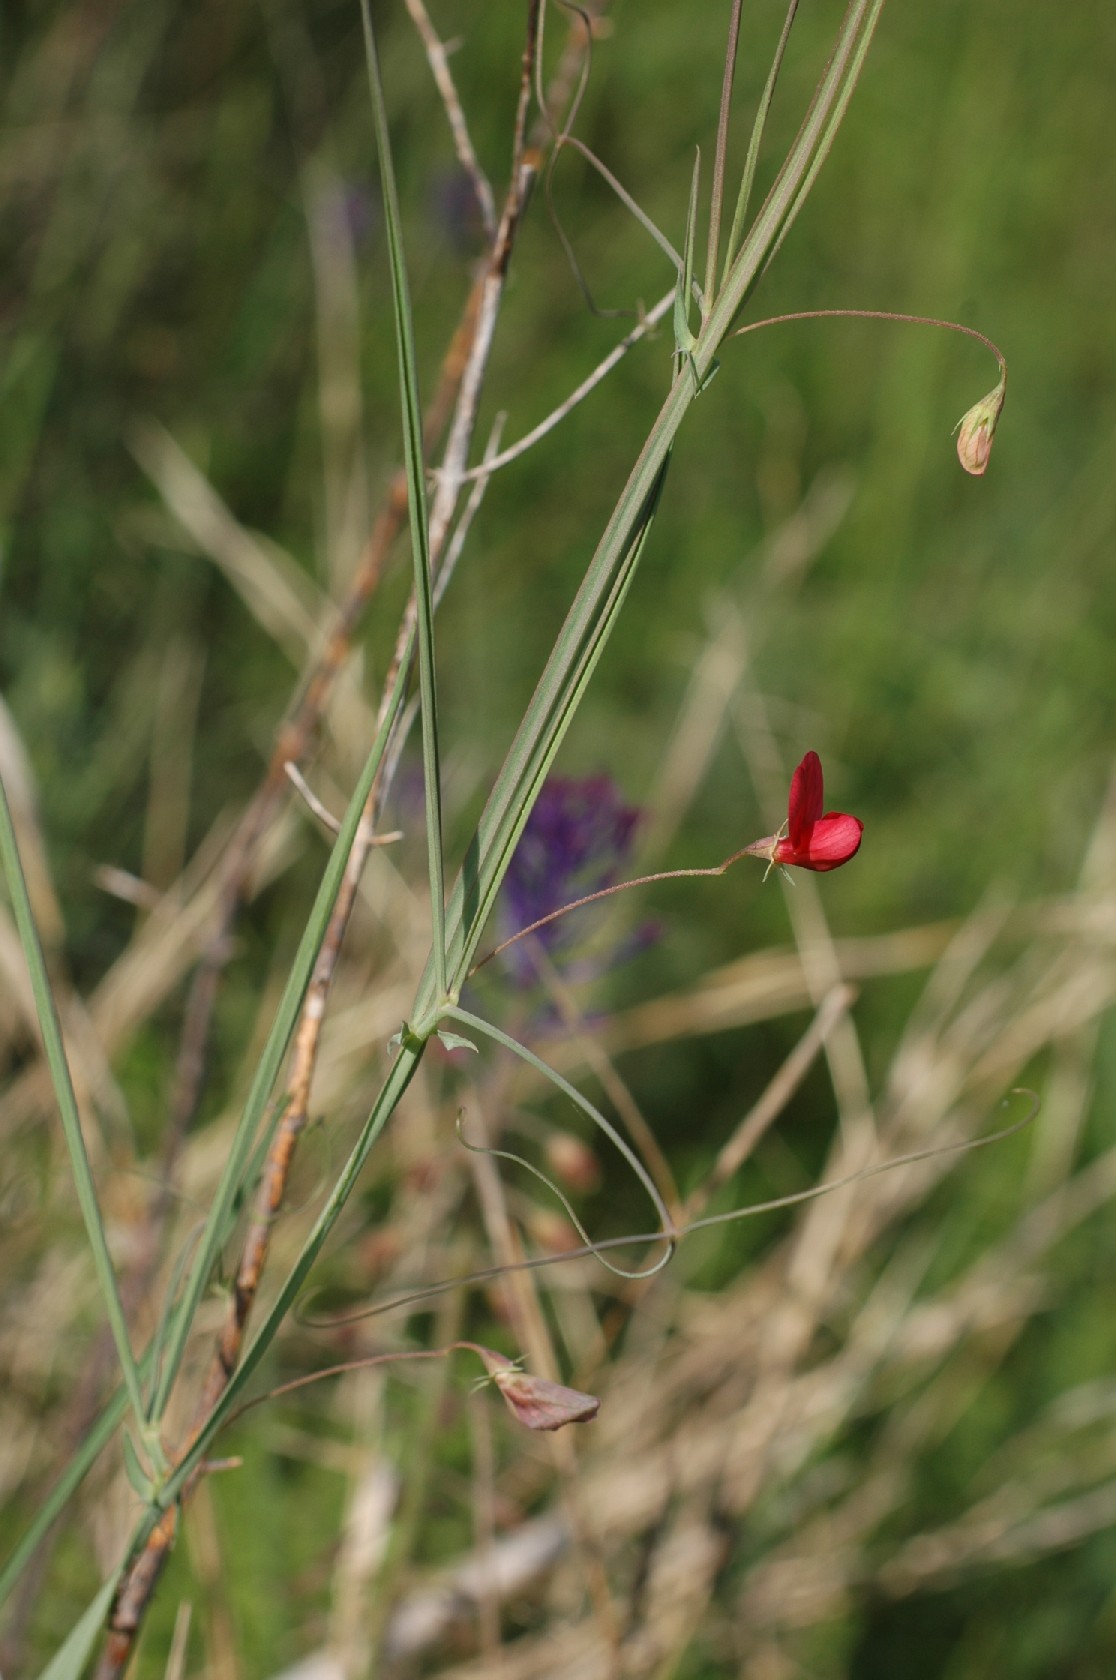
x,y
479,1024
751,162
71,1658
720,154
399,1077
683,296
454,1041
137,1476
222,1207
59,1067
416,503
86,1455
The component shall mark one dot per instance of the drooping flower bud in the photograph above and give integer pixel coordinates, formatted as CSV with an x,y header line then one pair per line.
x,y
976,429
535,1402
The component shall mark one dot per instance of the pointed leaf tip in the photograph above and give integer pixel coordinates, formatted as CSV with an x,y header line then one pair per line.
x,y
454,1041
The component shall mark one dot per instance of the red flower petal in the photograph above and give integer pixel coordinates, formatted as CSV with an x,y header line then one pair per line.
x,y
805,804
812,841
834,839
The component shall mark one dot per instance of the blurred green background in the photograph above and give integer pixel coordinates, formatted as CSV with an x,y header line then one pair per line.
x,y
951,642
170,176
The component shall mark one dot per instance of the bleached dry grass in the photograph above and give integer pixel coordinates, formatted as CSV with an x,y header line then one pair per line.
x,y
751,1474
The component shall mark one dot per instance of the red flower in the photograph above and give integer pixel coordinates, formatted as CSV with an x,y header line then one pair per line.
x,y
807,838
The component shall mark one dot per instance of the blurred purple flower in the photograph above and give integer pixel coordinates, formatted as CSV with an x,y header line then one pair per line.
x,y
349,214
455,213
577,838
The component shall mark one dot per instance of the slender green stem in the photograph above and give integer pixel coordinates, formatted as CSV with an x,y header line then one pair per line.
x,y
877,315
480,1025
571,143
717,196
609,574
55,1051
608,892
85,1456
540,1262
399,1077
416,501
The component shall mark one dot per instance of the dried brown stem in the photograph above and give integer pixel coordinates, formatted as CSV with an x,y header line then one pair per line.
x,y
464,371
290,745
438,59
309,706
642,330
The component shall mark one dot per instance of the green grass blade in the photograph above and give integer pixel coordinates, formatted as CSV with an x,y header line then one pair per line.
x,y
683,296
480,1025
416,502
67,1105
232,1178
751,162
93,1443
608,576
834,120
69,1661
800,168
717,194
560,690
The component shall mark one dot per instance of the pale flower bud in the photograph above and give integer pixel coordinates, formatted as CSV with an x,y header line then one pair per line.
x,y
976,429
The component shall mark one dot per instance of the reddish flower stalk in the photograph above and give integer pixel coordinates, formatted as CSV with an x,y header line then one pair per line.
x,y
536,1402
808,839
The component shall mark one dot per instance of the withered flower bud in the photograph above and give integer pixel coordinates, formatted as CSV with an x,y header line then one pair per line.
x,y
535,1402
